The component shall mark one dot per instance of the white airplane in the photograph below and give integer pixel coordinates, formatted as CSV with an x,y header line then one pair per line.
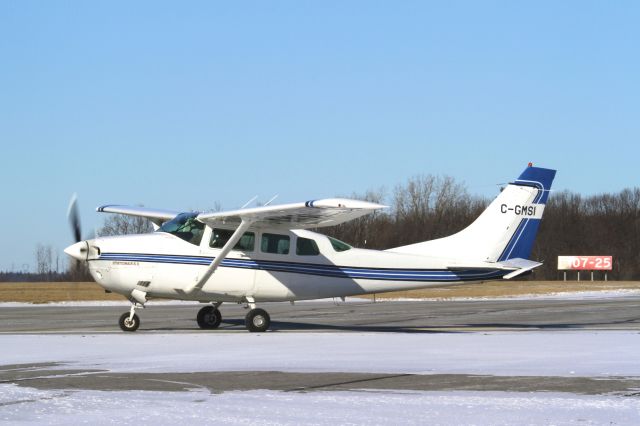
x,y
267,254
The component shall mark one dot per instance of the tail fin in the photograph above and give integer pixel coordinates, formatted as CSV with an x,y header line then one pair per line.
x,y
505,230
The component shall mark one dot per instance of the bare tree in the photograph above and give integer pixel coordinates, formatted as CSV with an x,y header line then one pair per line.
x,y
424,208
44,258
124,225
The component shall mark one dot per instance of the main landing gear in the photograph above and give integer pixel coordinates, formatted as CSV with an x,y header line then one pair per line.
x,y
209,317
257,320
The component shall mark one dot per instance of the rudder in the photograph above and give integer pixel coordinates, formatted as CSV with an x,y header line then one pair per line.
x,y
521,243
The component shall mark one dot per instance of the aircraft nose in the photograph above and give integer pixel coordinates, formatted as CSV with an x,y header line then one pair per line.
x,y
78,250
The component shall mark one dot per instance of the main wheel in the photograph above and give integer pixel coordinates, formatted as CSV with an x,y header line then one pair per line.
x,y
127,324
209,317
257,320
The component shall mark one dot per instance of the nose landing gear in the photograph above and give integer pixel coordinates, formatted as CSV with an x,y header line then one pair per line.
x,y
129,321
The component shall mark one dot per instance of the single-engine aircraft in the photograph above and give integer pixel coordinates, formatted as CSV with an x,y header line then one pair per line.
x,y
268,254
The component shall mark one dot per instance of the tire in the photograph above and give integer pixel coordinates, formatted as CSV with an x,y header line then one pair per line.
x,y
209,317
257,321
126,325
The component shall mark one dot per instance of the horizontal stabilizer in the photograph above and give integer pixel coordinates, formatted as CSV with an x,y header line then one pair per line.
x,y
517,266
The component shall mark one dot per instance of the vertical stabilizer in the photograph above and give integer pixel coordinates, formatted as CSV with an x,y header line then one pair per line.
x,y
505,230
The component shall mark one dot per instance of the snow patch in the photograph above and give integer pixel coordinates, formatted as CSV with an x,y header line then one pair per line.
x,y
564,295
529,353
26,405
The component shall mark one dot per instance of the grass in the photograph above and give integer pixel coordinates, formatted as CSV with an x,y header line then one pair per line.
x,y
45,292
510,288
54,292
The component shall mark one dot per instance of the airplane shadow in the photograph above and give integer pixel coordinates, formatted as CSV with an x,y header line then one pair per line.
x,y
233,324
561,326
300,326
284,326
432,329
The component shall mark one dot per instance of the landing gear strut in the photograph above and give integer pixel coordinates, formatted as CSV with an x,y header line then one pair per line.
x,y
129,321
209,317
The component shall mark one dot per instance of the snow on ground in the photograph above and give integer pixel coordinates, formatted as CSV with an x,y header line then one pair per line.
x,y
123,302
30,406
564,295
558,353
528,353
89,303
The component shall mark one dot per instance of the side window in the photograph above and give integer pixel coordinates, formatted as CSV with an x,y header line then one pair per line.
x,y
306,247
219,238
247,242
275,243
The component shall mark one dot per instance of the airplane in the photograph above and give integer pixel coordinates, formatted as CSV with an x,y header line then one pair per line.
x,y
270,253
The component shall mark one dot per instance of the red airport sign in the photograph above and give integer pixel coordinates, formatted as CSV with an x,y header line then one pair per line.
x,y
585,263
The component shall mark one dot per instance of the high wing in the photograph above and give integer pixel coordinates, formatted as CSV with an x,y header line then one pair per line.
x,y
157,216
310,214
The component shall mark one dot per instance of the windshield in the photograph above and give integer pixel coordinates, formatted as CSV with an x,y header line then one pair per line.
x,y
186,227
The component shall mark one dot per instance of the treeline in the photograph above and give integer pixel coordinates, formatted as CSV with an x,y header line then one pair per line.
x,y
429,207
604,224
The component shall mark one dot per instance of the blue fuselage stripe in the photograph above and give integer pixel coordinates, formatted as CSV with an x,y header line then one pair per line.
x,y
315,269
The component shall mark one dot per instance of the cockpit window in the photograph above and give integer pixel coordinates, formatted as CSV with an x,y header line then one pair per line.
x,y
186,227
339,245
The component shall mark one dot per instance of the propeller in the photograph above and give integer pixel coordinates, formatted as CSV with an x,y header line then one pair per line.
x,y
80,248
74,218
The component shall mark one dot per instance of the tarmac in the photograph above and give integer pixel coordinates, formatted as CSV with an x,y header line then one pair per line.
x,y
355,316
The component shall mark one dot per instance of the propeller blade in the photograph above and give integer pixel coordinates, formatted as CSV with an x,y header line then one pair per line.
x,y
74,218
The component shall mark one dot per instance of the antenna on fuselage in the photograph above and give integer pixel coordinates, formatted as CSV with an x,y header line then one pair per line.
x,y
269,202
249,202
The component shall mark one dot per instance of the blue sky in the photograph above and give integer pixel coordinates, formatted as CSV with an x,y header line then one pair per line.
x,y
182,105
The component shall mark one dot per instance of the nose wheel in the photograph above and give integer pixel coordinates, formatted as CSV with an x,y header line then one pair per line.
x,y
257,320
128,322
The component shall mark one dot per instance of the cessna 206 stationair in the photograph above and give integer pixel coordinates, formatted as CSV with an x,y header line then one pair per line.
x,y
268,254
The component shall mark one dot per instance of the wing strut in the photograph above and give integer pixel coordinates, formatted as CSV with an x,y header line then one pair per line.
x,y
244,225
